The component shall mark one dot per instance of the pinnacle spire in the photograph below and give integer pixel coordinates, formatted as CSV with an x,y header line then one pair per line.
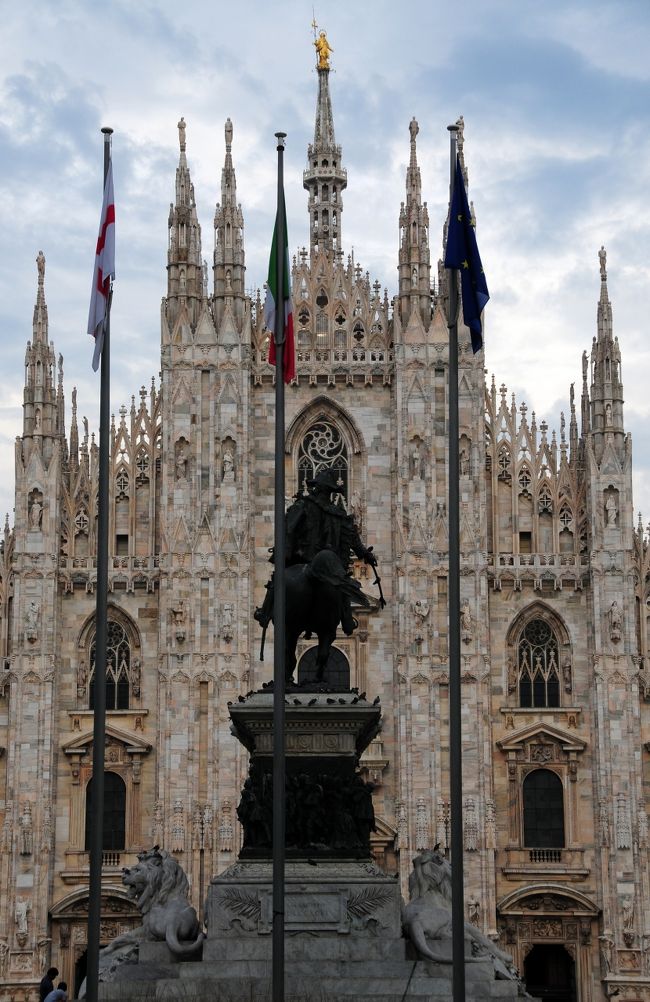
x,y
606,386
41,405
229,258
414,254
184,265
324,177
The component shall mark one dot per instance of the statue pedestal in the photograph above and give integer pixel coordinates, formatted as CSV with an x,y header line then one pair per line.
x,y
328,806
343,926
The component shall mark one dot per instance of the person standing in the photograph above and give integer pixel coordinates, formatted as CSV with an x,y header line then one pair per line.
x,y
47,983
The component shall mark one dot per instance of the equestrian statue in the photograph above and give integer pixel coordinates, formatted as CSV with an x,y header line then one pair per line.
x,y
320,539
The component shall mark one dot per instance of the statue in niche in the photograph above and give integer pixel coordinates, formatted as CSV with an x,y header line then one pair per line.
x,y
4,957
31,621
181,461
615,618
417,462
82,680
37,420
566,674
228,463
26,830
36,513
21,911
227,624
627,915
474,911
611,511
463,461
179,620
355,510
136,674
608,415
466,623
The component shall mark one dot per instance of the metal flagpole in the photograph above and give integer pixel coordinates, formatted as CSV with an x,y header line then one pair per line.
x,y
455,724
279,548
99,688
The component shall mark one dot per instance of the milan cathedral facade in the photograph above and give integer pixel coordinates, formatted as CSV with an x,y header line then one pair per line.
x,y
555,580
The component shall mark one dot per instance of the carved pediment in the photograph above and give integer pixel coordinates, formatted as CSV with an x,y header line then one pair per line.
x,y
546,898
541,734
131,743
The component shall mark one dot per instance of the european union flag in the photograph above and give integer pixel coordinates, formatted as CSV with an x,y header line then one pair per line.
x,y
462,252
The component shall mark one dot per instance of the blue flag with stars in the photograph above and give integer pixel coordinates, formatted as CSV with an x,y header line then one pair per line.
x,y
462,252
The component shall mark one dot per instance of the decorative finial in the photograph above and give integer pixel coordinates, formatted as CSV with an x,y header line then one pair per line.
x,y
323,49
228,134
181,134
602,257
40,264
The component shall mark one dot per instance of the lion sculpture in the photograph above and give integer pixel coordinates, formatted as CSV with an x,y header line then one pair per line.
x,y
160,888
427,918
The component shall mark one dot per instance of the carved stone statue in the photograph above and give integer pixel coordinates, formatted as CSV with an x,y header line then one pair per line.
x,y
159,887
417,462
427,918
615,618
182,127
26,830
466,623
35,514
611,511
23,907
228,467
31,621
420,610
627,915
181,462
178,612
323,49
40,264
226,622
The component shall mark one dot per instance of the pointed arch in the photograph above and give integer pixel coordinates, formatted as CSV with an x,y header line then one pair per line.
x,y
539,652
342,433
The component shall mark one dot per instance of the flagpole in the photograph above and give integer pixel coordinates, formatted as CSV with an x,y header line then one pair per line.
x,y
279,626
455,721
99,688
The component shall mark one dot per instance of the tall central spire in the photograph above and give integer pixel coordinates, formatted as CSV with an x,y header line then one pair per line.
x,y
324,177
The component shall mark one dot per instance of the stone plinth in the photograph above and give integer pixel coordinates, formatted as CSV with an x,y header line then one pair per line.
x,y
328,805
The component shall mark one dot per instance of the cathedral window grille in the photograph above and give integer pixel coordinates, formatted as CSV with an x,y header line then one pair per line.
x,y
357,307
339,317
322,300
142,466
81,521
358,332
303,316
323,448
114,826
340,339
503,462
122,483
118,668
524,480
566,518
545,502
304,339
537,663
322,329
543,797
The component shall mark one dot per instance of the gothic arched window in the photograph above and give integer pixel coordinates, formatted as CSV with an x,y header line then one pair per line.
x,y
537,665
114,833
543,810
322,448
118,668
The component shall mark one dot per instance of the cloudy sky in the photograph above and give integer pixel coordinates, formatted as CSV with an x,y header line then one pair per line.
x,y
556,101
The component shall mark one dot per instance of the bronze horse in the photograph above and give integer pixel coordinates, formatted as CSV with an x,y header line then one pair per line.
x,y
313,606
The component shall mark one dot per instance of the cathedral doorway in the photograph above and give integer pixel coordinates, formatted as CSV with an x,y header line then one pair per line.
x,y
80,972
549,973
337,670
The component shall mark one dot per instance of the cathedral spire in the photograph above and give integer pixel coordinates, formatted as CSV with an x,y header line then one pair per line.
x,y
606,386
41,407
324,177
184,265
414,254
229,257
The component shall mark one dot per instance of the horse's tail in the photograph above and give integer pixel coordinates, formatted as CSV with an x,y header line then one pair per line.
x,y
262,643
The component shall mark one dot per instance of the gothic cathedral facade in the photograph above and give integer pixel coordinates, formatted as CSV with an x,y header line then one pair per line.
x,y
555,584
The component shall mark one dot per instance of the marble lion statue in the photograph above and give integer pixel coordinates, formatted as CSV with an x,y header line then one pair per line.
x,y
427,918
159,887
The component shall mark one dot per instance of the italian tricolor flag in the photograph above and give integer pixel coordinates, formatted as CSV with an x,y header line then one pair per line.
x,y
271,301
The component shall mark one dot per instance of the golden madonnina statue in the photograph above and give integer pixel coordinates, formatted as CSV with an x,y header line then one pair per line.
x,y
323,48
